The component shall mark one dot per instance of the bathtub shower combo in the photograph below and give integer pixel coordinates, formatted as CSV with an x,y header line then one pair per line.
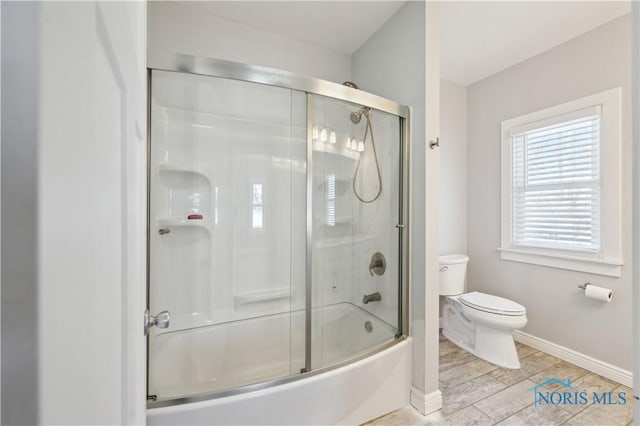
x,y
277,247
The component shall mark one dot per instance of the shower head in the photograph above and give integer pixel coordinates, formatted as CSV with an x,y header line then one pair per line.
x,y
356,116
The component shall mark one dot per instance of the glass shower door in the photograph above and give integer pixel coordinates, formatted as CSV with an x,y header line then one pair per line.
x,y
356,260
227,233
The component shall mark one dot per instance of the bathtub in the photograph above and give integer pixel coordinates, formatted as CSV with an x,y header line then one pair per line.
x,y
229,353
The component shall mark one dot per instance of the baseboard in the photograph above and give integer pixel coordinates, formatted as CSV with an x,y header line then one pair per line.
x,y
426,404
602,368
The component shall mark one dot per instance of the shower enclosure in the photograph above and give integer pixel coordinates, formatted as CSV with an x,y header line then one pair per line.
x,y
277,227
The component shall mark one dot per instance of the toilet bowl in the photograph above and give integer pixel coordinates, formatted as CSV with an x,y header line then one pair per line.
x,y
479,323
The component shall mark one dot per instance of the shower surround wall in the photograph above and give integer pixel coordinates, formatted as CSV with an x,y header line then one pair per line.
x,y
557,310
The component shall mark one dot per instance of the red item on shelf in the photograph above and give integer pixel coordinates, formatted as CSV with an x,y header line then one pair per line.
x,y
194,217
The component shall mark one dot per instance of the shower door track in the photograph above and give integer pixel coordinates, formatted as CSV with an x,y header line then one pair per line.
x,y
209,67
273,77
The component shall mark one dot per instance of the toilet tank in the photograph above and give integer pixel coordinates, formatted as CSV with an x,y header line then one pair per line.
x,y
453,268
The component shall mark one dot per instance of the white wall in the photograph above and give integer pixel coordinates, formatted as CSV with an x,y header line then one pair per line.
x,y
556,309
179,27
72,303
452,206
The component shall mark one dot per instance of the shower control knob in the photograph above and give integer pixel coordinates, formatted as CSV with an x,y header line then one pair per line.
x,y
162,320
378,264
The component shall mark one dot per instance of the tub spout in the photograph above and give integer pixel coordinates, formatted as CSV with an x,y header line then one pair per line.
x,y
373,297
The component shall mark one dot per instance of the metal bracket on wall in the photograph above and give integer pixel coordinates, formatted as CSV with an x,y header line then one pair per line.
x,y
434,143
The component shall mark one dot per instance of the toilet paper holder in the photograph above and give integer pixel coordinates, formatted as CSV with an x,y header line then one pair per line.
x,y
596,292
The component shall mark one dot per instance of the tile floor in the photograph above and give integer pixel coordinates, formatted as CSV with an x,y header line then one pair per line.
x,y
476,392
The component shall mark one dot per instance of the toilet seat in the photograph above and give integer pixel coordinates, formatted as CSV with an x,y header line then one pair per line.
x,y
492,304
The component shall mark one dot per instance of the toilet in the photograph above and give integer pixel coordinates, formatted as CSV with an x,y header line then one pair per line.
x,y
477,322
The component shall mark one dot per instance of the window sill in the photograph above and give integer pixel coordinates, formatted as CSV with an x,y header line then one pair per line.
x,y
608,267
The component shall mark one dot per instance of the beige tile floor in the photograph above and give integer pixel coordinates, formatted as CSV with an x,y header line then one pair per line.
x,y
476,392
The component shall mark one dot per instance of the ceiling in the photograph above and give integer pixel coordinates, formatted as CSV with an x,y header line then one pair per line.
x,y
342,26
478,38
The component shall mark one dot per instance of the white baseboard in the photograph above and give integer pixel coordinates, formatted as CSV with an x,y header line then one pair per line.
x,y
426,404
602,368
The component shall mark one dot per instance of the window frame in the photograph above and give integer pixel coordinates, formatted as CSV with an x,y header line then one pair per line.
x,y
608,260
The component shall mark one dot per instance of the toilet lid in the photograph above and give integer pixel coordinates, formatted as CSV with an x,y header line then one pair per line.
x,y
494,304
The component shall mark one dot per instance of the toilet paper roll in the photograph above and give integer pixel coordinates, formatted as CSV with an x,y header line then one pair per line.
x,y
598,293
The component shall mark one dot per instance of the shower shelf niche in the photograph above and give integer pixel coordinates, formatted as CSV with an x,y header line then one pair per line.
x,y
186,191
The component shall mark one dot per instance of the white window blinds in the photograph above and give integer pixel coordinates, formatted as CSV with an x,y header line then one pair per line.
x,y
556,182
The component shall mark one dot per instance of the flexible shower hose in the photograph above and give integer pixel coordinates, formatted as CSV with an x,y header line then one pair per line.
x,y
368,129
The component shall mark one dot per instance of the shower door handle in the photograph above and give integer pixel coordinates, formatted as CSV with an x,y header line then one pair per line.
x,y
162,320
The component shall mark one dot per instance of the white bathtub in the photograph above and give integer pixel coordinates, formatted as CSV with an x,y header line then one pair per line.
x,y
231,354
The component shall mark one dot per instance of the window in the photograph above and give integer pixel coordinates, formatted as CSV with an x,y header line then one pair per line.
x,y
257,205
331,200
561,186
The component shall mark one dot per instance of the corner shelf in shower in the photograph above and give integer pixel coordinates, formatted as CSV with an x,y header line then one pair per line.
x,y
174,222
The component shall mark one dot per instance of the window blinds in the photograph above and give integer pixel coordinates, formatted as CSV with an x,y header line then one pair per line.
x,y
556,182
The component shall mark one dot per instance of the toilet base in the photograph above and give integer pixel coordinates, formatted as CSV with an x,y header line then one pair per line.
x,y
492,344
497,349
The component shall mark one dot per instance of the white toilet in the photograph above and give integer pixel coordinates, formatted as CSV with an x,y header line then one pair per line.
x,y
477,322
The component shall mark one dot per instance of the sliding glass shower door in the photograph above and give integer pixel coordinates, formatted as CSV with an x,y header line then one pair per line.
x,y
356,176
227,233
275,229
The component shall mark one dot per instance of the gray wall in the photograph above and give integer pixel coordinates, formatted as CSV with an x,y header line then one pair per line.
x,y
392,64
556,309
452,206
20,76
